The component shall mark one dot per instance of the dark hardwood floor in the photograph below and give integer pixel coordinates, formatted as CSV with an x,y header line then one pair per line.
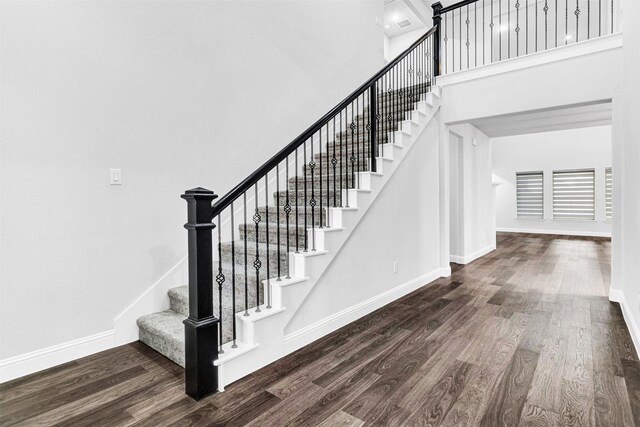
x,y
523,336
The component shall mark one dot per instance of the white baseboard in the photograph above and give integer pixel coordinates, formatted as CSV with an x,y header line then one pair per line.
x,y
558,232
28,363
466,259
617,296
337,320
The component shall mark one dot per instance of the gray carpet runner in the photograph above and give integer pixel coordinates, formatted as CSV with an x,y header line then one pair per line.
x,y
164,331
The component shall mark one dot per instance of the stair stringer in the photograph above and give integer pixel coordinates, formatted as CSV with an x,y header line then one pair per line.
x,y
261,335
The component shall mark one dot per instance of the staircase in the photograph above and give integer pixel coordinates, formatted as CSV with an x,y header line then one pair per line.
x,y
256,253
164,331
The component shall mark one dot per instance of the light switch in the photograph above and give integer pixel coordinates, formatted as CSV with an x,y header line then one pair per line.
x,y
115,176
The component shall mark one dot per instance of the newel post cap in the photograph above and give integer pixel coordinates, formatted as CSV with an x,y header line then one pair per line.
x,y
199,193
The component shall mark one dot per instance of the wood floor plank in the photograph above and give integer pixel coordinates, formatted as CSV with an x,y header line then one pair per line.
x,y
341,419
522,336
508,400
288,409
474,399
631,371
578,407
438,399
535,416
611,401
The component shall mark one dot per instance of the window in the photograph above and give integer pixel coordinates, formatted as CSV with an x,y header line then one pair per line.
x,y
608,193
529,189
574,194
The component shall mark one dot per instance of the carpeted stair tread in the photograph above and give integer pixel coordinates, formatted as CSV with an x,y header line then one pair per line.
x,y
164,332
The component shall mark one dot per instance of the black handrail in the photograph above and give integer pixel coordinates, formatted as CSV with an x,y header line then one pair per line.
x,y
259,173
456,6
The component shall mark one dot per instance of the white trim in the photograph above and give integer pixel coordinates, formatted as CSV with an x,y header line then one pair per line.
x,y
559,232
466,259
618,296
560,53
152,300
28,363
325,326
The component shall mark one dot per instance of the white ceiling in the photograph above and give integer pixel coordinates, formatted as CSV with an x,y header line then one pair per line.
x,y
419,12
398,10
570,117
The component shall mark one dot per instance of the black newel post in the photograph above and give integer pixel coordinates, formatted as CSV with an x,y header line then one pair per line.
x,y
437,7
201,327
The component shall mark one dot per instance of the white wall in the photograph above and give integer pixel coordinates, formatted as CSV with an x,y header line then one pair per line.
x,y
575,74
588,148
456,196
625,257
476,204
177,94
400,43
402,225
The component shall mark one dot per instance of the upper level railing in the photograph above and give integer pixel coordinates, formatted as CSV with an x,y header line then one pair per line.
x,y
479,32
274,210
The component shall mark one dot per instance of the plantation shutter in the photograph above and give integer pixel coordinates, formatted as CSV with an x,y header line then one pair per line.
x,y
529,189
608,193
574,194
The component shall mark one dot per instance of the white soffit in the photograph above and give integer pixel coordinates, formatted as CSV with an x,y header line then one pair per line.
x,y
570,117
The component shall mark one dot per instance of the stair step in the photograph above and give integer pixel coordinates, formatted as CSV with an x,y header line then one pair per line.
x,y
328,181
298,198
346,171
250,249
344,142
273,215
262,234
164,332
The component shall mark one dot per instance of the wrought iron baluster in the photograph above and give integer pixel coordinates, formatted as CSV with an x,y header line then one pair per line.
x,y
267,293
333,128
526,19
446,38
233,276
278,219
312,201
320,170
611,16
467,21
220,281
365,133
357,152
577,13
546,10
352,159
343,153
588,19
246,261
334,161
566,21
297,203
305,231
287,212
517,5
508,29
345,157
556,30
257,263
